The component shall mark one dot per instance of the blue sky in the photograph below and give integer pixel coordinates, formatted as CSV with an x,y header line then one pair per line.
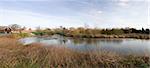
x,y
75,13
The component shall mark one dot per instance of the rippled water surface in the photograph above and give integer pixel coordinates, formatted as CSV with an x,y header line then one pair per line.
x,y
122,46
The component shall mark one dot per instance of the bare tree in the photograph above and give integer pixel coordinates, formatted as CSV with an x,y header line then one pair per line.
x,y
15,27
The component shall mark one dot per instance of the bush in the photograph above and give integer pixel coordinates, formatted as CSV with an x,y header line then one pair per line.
x,y
22,35
117,31
39,33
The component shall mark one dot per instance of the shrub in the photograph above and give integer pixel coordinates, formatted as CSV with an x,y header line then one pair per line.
x,y
22,35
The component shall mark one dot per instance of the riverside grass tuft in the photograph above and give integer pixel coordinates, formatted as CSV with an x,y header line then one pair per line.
x,y
16,35
15,55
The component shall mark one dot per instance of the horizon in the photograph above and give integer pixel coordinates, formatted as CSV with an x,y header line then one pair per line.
x,y
76,13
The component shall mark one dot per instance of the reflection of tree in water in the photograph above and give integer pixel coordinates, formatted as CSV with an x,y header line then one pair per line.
x,y
62,40
112,40
95,41
39,39
86,41
77,41
91,41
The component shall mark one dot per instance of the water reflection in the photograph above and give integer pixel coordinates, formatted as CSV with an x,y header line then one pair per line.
x,y
112,40
62,41
122,46
95,41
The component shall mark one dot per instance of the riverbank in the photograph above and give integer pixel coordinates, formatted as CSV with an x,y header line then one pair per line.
x,y
135,36
82,32
15,55
16,35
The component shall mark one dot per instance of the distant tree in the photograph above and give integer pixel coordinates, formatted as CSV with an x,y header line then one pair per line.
x,y
8,30
143,31
133,30
112,31
30,29
80,30
86,25
39,31
48,31
147,31
106,31
24,28
15,27
127,30
117,31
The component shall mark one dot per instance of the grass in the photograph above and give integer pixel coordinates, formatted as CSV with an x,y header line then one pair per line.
x,y
15,35
15,55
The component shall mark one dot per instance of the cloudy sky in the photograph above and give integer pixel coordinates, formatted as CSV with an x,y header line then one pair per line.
x,y
76,13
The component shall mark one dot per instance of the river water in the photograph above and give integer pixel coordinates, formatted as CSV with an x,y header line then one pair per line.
x,y
121,46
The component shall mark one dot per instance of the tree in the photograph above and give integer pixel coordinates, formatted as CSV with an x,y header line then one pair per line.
x,y
39,31
117,31
143,31
48,31
86,25
147,31
24,28
15,27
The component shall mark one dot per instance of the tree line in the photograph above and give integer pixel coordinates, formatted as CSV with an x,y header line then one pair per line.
x,y
90,31
81,30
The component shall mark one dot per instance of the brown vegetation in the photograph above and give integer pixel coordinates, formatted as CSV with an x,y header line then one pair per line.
x,y
96,33
15,55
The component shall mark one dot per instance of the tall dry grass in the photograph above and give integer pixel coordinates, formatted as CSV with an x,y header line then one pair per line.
x,y
15,55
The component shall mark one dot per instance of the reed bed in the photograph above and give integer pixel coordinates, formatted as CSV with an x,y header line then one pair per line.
x,y
15,55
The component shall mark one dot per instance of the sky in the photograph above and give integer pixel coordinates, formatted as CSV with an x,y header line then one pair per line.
x,y
76,13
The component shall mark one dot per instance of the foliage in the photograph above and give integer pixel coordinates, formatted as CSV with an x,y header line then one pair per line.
x,y
48,31
38,33
23,35
117,31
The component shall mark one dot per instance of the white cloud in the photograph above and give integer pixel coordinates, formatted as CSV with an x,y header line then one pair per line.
x,y
31,19
99,12
123,3
95,15
124,0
